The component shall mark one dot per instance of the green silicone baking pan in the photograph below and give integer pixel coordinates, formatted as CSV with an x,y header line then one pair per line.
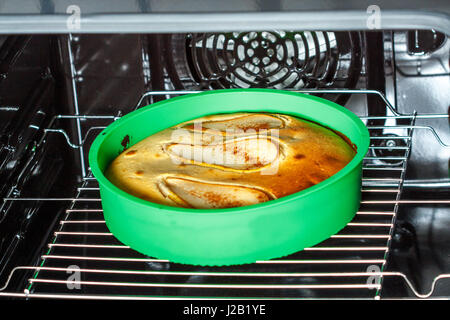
x,y
234,235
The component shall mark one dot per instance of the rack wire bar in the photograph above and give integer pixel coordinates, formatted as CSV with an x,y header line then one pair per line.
x,y
275,261
348,264
308,91
395,115
81,143
108,234
212,274
396,204
362,202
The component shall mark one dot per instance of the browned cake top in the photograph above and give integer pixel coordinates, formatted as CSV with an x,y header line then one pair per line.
x,y
230,160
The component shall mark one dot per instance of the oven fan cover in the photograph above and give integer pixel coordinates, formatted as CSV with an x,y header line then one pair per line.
x,y
275,59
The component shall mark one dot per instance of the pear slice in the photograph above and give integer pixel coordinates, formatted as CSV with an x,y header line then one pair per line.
x,y
242,124
245,153
202,195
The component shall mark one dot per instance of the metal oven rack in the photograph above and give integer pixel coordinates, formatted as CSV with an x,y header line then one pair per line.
x,y
84,260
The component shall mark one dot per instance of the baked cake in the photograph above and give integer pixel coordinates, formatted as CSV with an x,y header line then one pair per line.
x,y
230,160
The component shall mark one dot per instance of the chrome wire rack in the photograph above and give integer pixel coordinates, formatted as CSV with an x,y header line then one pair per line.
x,y
84,260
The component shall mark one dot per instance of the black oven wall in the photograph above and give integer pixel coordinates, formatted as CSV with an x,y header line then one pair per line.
x,y
28,166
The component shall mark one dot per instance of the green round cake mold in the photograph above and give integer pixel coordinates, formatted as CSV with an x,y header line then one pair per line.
x,y
234,235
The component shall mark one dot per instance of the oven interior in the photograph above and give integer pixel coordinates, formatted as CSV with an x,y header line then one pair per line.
x,y
57,92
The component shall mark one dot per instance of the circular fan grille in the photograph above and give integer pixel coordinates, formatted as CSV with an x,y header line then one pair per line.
x,y
274,59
